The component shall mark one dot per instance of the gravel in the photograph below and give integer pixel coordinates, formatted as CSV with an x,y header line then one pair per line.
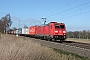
x,y
64,47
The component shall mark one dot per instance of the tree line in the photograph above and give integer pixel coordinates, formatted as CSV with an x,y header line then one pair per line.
x,y
5,23
85,34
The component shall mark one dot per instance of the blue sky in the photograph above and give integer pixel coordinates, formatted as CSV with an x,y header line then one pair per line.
x,y
74,13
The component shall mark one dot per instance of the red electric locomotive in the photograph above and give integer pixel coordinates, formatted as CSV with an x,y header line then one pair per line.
x,y
52,31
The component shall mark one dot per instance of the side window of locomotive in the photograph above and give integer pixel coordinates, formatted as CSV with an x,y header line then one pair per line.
x,y
51,26
62,26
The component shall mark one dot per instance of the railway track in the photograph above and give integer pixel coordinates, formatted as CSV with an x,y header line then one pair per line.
x,y
77,44
81,49
72,44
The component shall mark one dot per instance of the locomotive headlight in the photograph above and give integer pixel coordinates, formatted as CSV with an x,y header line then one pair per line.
x,y
64,31
56,31
64,34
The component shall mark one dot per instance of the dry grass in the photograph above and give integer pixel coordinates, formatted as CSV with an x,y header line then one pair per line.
x,y
78,40
19,48
15,48
0,34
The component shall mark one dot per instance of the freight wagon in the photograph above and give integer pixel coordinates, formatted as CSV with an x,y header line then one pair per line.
x,y
20,32
25,32
32,31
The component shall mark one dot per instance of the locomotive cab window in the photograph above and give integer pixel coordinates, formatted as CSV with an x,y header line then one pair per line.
x,y
62,26
51,26
57,26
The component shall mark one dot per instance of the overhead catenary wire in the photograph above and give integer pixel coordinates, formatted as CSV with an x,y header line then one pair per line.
x,y
63,6
87,12
68,9
76,15
78,10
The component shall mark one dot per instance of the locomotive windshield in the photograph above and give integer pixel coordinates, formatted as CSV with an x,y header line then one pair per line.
x,y
57,26
60,26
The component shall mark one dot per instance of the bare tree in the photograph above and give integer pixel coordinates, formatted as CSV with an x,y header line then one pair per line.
x,y
85,34
5,23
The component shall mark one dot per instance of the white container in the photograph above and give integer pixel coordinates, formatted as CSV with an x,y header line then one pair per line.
x,y
25,30
14,31
17,32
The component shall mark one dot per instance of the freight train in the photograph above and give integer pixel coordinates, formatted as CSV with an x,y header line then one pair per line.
x,y
52,31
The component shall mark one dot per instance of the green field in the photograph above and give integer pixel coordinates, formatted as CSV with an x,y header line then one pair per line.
x,y
76,39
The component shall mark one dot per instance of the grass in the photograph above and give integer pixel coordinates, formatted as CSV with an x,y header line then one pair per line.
x,y
78,39
20,48
0,34
73,55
